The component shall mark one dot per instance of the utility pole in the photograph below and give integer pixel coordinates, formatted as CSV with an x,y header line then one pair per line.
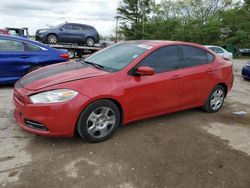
x,y
143,29
116,29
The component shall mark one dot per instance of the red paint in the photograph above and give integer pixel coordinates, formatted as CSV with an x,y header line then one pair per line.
x,y
139,96
4,32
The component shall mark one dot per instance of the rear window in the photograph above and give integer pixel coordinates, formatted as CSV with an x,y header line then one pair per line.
x,y
194,56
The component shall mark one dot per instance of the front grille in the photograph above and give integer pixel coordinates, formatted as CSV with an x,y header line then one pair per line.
x,y
19,97
36,125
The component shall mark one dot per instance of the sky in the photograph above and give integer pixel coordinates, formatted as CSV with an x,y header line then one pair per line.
x,y
37,14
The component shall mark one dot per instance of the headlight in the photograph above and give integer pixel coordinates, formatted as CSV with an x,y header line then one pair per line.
x,y
60,95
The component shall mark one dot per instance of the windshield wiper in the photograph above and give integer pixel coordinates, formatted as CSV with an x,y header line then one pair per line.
x,y
94,64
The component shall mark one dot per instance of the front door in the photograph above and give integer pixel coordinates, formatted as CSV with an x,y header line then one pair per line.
x,y
158,93
13,60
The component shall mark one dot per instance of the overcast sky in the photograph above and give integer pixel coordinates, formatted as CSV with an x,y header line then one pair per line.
x,y
37,14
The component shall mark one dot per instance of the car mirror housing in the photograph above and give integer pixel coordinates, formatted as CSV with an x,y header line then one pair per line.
x,y
145,71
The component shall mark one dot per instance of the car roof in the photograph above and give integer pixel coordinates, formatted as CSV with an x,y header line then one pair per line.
x,y
161,43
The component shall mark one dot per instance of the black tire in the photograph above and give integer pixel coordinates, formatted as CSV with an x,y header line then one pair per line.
x,y
52,39
84,124
35,67
212,108
90,41
72,53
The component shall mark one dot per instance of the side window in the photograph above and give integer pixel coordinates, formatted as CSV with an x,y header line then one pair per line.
x,y
217,50
163,59
67,27
76,28
210,57
9,45
193,56
31,48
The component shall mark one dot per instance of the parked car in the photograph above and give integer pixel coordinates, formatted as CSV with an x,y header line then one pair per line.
x,y
244,51
221,51
123,83
18,56
69,33
4,32
246,71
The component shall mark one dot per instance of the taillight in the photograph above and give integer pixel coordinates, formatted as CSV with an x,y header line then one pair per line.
x,y
65,56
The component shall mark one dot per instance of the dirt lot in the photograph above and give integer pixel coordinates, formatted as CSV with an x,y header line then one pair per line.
x,y
186,149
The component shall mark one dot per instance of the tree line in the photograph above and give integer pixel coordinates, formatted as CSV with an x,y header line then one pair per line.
x,y
202,21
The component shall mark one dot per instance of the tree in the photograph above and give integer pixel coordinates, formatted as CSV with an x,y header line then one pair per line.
x,y
133,14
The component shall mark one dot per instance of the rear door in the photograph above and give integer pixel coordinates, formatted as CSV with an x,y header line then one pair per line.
x,y
158,93
198,77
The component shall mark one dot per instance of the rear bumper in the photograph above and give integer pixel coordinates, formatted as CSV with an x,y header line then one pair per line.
x,y
53,120
246,72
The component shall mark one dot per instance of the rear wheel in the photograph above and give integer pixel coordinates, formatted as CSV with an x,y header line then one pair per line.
x,y
215,99
98,121
72,53
52,39
90,41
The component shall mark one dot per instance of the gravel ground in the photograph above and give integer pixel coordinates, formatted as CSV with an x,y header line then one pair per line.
x,y
185,149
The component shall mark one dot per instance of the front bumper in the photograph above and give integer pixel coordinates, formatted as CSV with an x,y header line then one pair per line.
x,y
57,119
40,37
246,72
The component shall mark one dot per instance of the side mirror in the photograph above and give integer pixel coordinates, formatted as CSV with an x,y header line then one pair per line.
x,y
145,71
61,28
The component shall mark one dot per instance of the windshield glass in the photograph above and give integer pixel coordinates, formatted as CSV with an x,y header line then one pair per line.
x,y
118,56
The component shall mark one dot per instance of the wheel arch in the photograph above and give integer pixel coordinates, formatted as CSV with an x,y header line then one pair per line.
x,y
224,86
115,101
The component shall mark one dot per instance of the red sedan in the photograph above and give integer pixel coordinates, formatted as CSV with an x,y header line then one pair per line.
x,y
126,82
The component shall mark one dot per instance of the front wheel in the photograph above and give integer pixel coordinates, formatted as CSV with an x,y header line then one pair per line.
x,y
52,39
98,121
215,99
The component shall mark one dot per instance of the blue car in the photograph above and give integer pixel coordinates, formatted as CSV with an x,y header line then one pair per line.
x,y
69,33
18,56
246,71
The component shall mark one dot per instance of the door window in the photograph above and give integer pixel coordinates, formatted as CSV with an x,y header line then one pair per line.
x,y
193,56
76,28
10,45
217,50
67,27
163,59
31,48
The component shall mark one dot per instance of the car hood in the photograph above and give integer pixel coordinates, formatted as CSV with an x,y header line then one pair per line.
x,y
59,73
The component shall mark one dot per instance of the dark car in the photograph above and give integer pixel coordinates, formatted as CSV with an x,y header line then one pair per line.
x,y
69,33
246,71
19,56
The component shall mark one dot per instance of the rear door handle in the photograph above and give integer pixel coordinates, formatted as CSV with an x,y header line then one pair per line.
x,y
176,77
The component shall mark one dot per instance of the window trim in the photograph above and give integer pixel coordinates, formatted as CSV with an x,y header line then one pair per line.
x,y
132,71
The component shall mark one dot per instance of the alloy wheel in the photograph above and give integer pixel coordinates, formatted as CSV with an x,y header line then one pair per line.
x,y
101,122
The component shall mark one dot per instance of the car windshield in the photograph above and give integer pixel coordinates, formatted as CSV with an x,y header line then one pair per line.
x,y
118,56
